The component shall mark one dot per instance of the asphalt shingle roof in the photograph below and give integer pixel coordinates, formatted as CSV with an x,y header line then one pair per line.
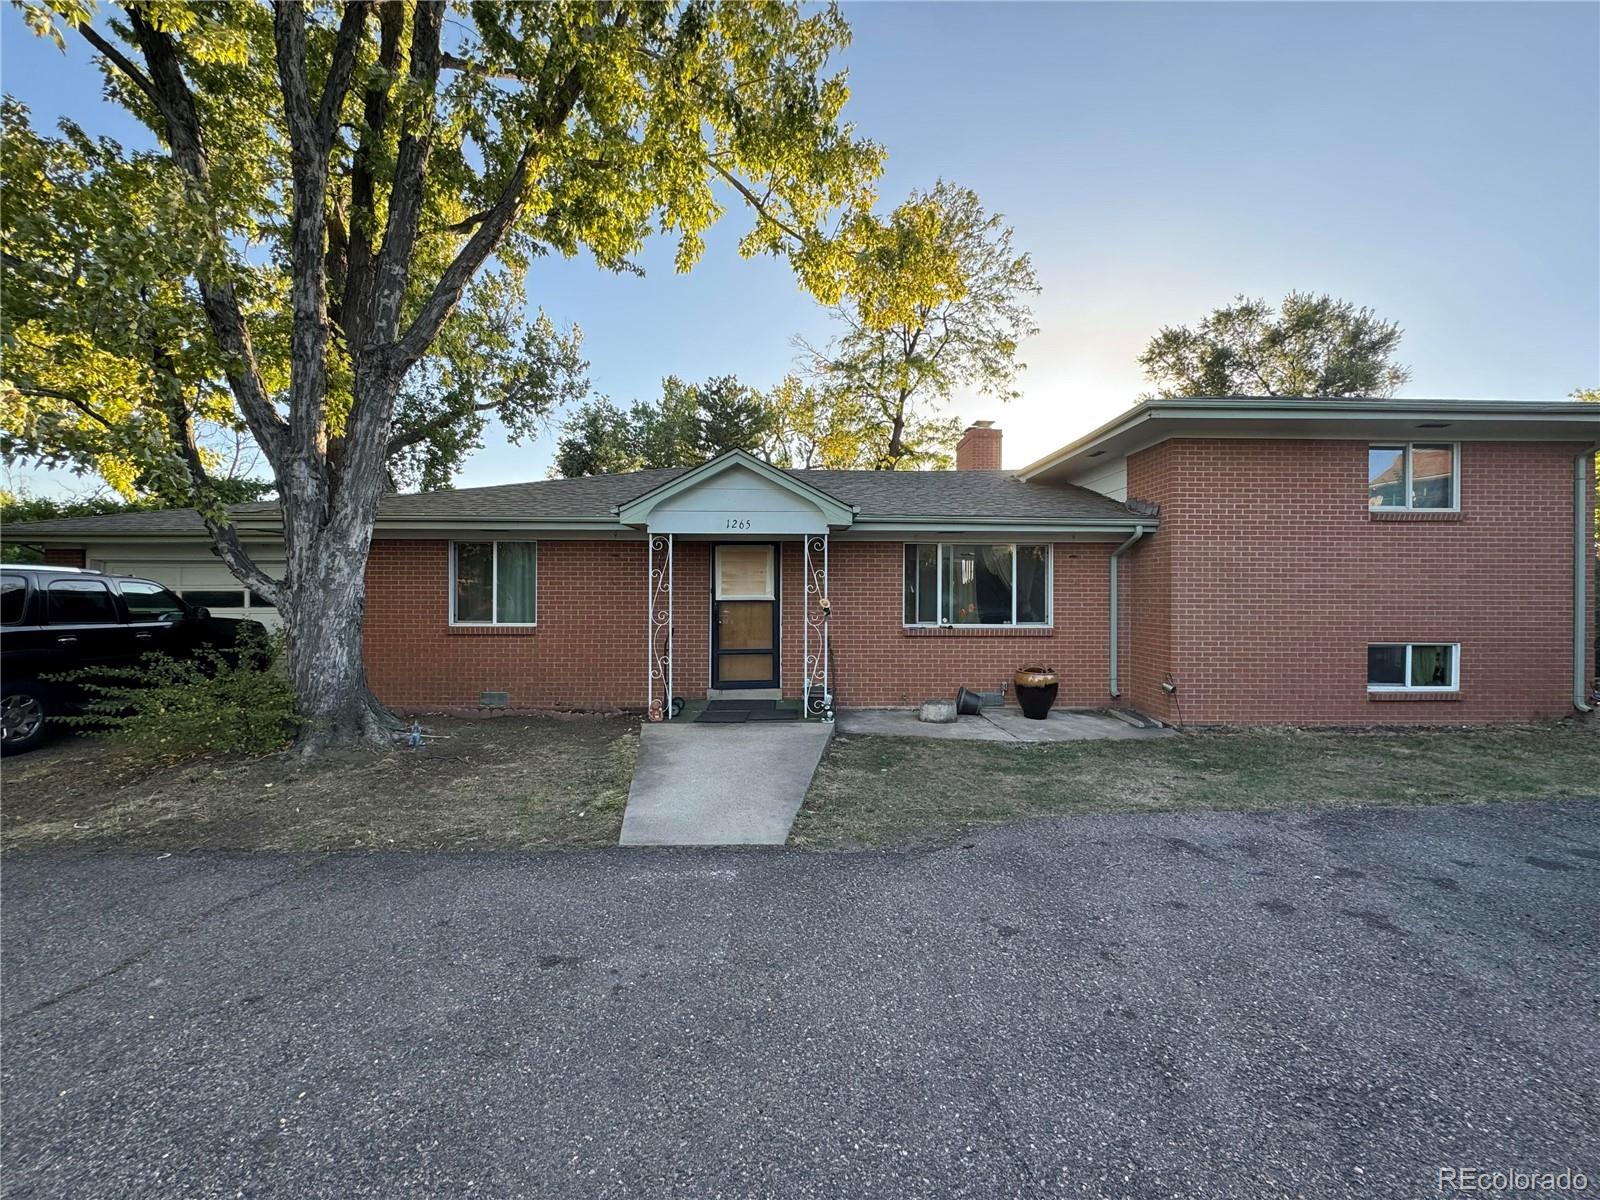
x,y
876,494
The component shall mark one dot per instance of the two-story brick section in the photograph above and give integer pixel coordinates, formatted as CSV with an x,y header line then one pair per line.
x,y
1260,560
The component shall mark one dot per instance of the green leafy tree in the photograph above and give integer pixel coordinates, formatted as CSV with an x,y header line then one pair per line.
x,y
597,439
936,302
812,428
343,210
1308,346
689,424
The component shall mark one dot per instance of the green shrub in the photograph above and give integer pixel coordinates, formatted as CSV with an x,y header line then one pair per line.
x,y
176,708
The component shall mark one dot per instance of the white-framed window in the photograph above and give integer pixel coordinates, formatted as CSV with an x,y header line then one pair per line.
x,y
1414,667
1414,477
977,583
493,583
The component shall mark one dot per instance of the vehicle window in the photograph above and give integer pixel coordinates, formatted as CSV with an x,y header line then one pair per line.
x,y
13,599
81,602
149,601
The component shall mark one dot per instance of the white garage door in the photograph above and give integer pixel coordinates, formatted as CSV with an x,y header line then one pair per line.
x,y
208,585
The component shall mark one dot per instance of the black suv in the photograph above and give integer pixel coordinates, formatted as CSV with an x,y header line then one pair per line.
x,y
57,620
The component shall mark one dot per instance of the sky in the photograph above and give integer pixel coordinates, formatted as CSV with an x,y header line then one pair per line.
x,y
1437,162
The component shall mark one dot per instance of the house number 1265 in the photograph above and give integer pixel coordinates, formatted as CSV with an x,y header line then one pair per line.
x,y
738,523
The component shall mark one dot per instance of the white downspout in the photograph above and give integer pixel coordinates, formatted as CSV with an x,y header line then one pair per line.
x,y
1582,467
1138,532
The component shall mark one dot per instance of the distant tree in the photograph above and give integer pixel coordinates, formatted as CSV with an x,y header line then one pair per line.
x,y
597,439
687,425
1307,346
937,302
812,428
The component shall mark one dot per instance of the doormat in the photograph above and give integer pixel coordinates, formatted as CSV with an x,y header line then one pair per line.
x,y
734,712
723,716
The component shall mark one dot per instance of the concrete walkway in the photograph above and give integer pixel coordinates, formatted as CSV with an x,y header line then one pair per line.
x,y
997,725
721,785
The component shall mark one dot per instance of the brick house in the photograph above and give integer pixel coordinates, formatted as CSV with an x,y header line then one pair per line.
x,y
1203,561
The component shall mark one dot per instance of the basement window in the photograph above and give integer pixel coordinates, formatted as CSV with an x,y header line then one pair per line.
x,y
977,584
493,583
1414,667
1413,477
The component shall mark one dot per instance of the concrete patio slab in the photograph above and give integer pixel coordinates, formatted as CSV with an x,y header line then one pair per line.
x,y
721,785
997,725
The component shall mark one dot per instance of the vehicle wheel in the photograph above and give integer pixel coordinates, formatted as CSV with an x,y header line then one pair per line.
x,y
24,719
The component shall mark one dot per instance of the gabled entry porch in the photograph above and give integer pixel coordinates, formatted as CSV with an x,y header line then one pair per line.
x,y
743,547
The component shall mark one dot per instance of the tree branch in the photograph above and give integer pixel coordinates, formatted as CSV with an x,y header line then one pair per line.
x,y
407,194
424,431
224,537
308,160
353,301
123,63
754,201
446,293
171,94
340,69
81,405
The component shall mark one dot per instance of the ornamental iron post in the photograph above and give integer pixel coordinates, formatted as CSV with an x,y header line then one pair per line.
x,y
658,694
818,694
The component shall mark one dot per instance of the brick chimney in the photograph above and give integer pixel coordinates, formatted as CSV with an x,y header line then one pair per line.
x,y
979,448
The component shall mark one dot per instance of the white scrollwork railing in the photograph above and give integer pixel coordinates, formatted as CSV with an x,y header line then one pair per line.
x,y
817,691
658,694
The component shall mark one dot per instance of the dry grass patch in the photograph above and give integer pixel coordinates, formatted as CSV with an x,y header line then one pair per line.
x,y
505,783
876,791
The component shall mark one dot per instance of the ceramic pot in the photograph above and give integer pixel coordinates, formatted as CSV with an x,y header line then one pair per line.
x,y
1036,689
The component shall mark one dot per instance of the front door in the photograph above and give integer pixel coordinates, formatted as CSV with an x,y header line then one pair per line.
x,y
744,616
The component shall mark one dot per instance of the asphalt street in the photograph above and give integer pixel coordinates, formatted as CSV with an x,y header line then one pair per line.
x,y
1295,1004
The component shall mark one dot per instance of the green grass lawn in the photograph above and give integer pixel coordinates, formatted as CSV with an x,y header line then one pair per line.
x,y
877,791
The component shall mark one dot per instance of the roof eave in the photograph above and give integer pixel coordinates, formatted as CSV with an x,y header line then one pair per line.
x,y
1533,413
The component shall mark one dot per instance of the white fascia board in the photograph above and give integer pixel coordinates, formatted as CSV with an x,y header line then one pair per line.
x,y
1138,428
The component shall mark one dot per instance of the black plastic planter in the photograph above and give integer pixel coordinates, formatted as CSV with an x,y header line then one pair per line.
x,y
1036,689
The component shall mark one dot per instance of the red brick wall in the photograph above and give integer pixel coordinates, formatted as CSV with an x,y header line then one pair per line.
x,y
588,650
1269,578
64,556
880,662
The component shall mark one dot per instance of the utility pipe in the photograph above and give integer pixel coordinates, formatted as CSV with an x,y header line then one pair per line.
x,y
1138,532
1582,471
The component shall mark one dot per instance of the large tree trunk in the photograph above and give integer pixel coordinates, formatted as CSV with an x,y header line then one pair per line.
x,y
326,667
328,526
